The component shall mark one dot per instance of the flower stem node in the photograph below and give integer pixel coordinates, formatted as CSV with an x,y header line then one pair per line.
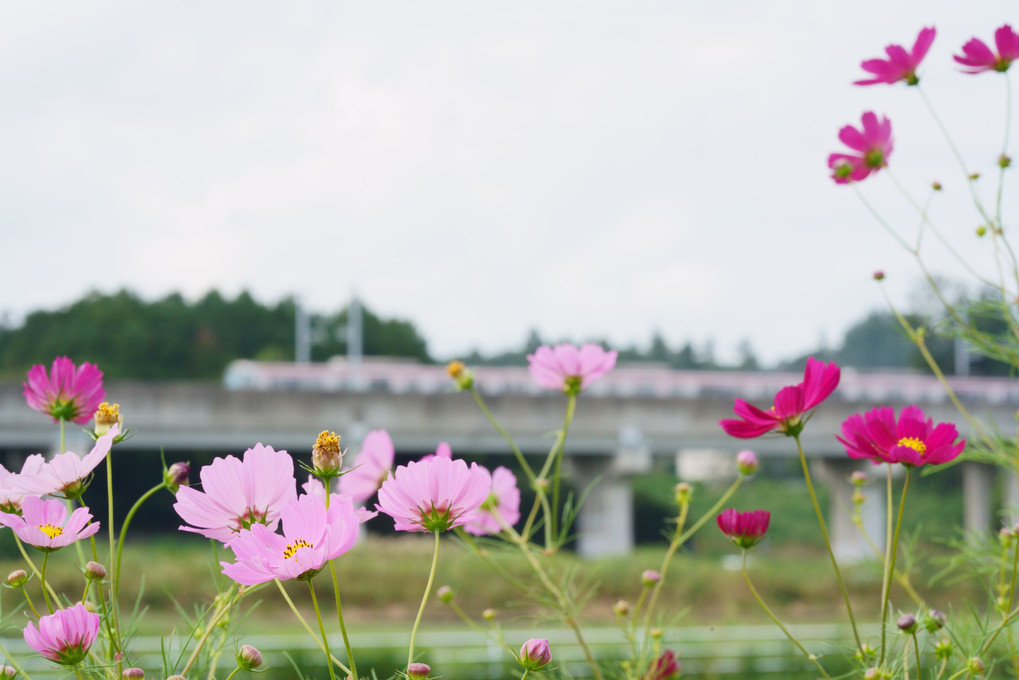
x,y
746,462
445,594
418,671
621,607
858,497
907,624
326,456
133,674
95,571
463,378
535,654
248,658
17,578
488,614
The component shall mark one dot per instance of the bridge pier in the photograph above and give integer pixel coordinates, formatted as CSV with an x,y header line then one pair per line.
x,y
605,522
848,543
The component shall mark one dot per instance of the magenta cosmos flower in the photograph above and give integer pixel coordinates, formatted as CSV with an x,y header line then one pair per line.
x,y
914,440
900,64
238,493
46,525
535,654
745,529
566,368
65,636
665,667
371,467
503,501
68,392
434,495
792,404
872,144
977,57
66,474
312,535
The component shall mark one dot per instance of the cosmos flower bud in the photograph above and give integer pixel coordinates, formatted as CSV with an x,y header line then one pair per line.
x,y
488,614
655,633
463,378
872,674
746,462
943,649
445,594
866,652
1004,161
975,665
878,275
981,230
133,674
974,176
1005,535
177,475
535,654
95,571
418,671
936,186
248,658
858,478
7,672
683,491
906,623
621,607
106,416
326,456
933,621
650,577
17,578
541,484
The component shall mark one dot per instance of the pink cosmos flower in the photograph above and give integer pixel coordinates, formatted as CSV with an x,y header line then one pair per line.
x,y
312,535
371,467
434,495
45,524
873,146
566,368
792,404
977,56
65,474
914,440
10,498
238,493
65,636
535,654
443,450
503,500
900,64
665,667
745,529
69,392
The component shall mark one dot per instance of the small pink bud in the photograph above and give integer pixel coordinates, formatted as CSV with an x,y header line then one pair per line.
x,y
906,623
7,672
249,658
95,571
621,607
535,654
17,578
177,475
879,275
650,577
445,594
418,671
133,674
936,186
975,665
746,462
858,478
872,674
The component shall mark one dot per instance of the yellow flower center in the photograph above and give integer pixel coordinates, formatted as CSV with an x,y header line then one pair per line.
x,y
51,530
108,414
292,548
328,442
913,443
455,368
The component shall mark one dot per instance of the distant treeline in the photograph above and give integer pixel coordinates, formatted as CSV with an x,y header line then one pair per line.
x,y
173,339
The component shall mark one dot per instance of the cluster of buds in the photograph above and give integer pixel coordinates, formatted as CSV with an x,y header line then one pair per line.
x,y
326,456
463,377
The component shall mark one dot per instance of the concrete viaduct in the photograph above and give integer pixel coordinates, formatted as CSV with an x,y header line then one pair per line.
x,y
623,421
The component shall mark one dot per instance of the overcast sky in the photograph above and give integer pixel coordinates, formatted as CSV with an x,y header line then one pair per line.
x,y
482,168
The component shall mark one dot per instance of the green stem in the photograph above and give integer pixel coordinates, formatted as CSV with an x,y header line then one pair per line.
x,y
886,577
42,578
505,435
304,624
321,626
771,615
827,541
424,600
339,619
557,476
233,673
891,558
1015,567
123,532
114,627
916,651
221,609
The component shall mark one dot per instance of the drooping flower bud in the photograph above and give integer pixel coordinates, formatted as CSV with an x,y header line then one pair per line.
x,y
17,578
177,475
418,671
650,577
535,654
106,416
95,571
133,674
326,456
746,462
248,658
906,623
445,594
